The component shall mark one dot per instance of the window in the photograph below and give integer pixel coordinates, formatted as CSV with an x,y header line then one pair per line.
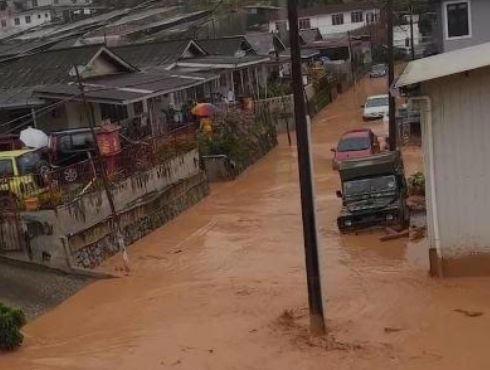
x,y
28,19
371,18
356,17
34,3
27,163
113,112
337,19
4,23
458,19
17,21
304,24
6,168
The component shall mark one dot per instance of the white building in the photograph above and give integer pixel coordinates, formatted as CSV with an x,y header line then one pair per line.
x,y
402,38
452,91
13,20
332,19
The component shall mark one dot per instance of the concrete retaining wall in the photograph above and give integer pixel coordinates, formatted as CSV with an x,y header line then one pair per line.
x,y
79,234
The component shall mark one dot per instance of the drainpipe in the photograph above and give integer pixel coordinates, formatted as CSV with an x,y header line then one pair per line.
x,y
435,252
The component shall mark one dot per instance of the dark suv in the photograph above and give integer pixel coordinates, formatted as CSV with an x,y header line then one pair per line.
x,y
71,150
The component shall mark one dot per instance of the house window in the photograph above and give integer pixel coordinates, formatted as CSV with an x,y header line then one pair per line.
x,y
304,24
28,19
34,3
17,21
4,23
371,18
115,113
356,17
458,19
337,19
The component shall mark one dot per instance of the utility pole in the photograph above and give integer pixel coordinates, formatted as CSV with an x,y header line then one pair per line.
x,y
115,225
317,321
412,44
391,75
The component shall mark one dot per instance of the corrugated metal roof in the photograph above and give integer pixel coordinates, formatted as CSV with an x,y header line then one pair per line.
x,y
222,61
120,89
445,64
44,68
309,36
225,45
162,53
264,43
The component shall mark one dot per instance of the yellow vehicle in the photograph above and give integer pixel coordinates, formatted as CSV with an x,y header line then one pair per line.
x,y
21,173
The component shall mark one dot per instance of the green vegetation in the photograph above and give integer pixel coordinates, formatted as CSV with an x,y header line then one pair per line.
x,y
416,184
11,320
243,137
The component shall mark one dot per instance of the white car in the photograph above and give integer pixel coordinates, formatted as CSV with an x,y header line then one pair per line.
x,y
377,106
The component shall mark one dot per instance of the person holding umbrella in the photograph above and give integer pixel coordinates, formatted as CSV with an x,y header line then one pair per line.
x,y
205,111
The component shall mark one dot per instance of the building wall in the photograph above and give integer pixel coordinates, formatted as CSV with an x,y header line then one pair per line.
x,y
402,32
77,234
37,17
71,115
461,133
480,27
324,23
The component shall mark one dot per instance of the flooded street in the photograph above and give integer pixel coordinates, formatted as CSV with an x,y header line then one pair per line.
x,y
223,287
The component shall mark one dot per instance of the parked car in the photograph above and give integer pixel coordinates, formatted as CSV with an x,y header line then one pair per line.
x,y
71,150
355,144
22,174
374,192
376,107
378,70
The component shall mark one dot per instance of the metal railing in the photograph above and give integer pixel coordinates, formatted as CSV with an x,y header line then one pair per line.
x,y
64,184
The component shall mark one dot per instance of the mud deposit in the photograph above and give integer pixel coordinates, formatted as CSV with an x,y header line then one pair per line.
x,y
222,287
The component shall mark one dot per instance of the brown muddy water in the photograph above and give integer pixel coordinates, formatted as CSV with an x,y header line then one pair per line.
x,y
222,287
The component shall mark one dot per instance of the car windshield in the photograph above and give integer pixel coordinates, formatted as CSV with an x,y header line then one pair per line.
x,y
352,144
6,168
27,163
379,68
374,185
377,102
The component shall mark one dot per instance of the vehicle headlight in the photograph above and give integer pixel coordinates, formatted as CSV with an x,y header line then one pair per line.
x,y
389,217
348,223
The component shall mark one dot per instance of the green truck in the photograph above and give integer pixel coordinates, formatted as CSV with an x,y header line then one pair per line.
x,y
374,192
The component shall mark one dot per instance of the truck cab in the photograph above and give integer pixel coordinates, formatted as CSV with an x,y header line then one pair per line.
x,y
374,192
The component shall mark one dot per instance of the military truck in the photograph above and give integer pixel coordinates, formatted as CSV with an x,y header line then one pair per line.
x,y
374,192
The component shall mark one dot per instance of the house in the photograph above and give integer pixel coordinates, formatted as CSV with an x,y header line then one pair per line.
x,y
14,18
402,37
331,18
452,91
115,89
460,23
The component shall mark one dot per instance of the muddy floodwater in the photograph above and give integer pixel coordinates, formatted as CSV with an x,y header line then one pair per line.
x,y
222,287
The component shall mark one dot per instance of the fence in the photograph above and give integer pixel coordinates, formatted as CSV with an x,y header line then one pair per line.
x,y
48,189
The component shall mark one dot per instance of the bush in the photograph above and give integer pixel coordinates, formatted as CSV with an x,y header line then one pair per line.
x,y
11,320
